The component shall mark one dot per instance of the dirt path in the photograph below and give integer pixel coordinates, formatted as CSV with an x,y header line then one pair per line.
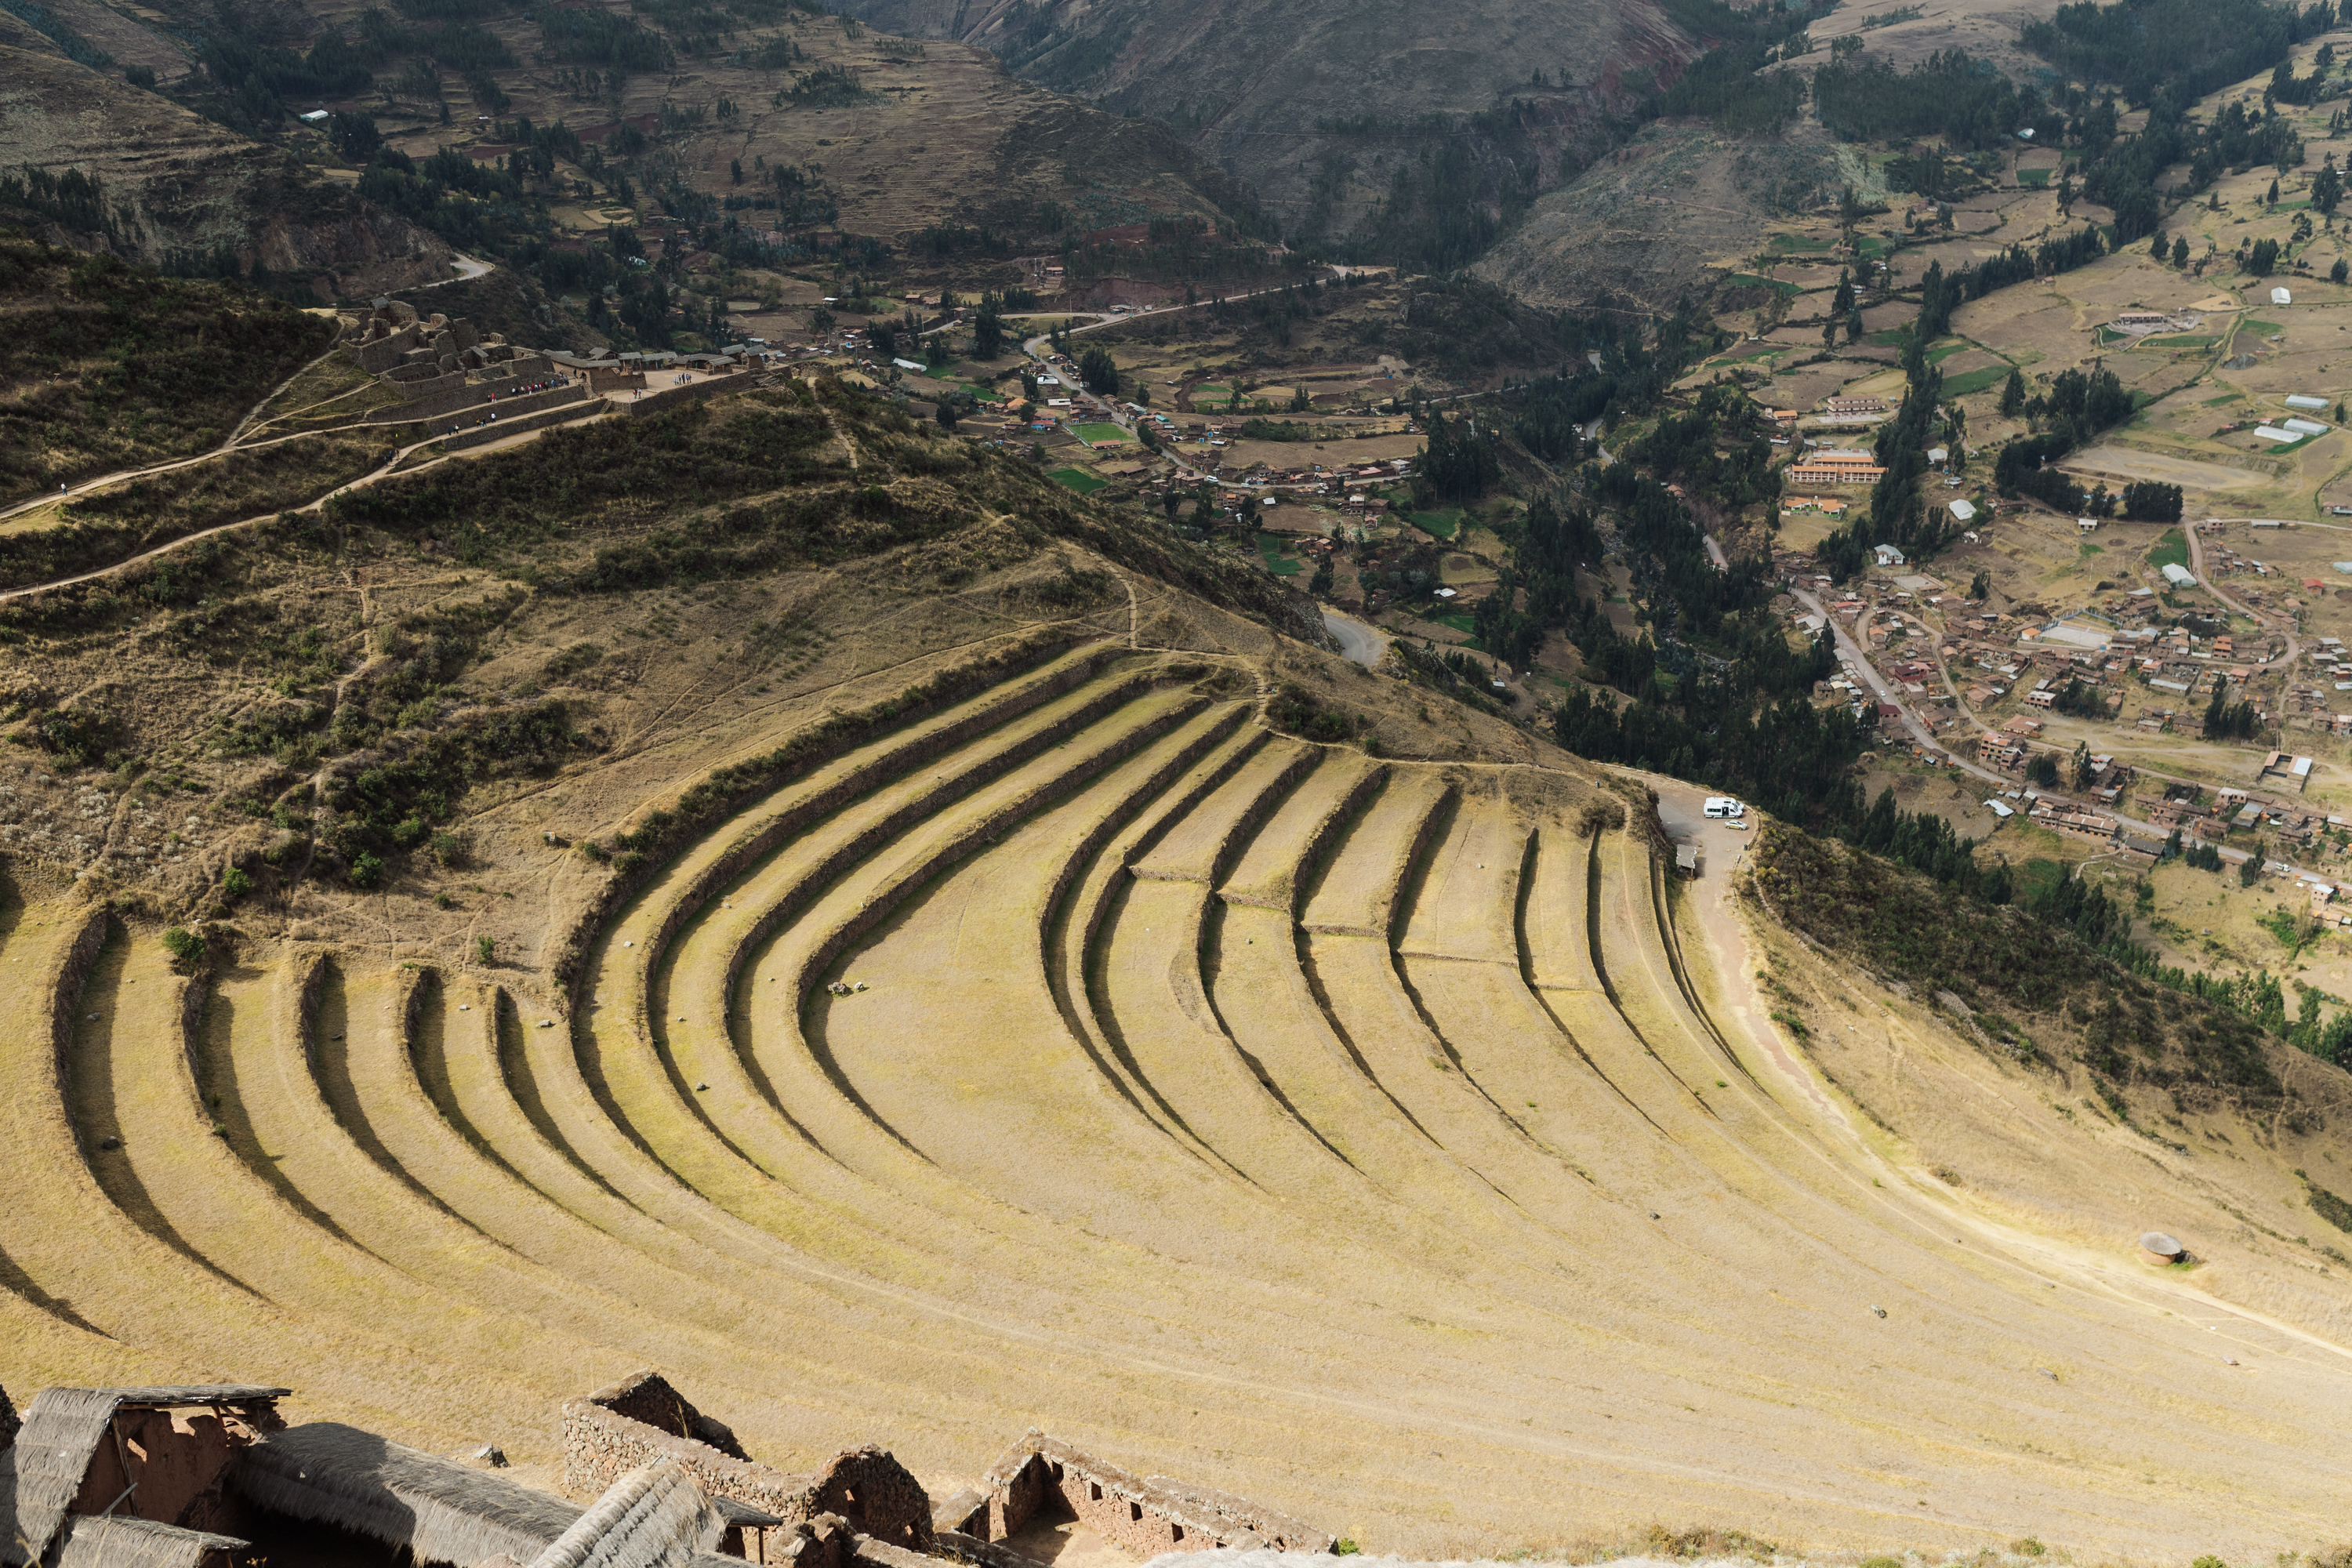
x,y
391,468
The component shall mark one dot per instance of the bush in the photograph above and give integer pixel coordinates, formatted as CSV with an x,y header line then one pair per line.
x,y
187,948
485,949
235,883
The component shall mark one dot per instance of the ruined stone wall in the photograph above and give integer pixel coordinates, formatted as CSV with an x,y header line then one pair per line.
x,y
601,1445
1042,1475
615,1429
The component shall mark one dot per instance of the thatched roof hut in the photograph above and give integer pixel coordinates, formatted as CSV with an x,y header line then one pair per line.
x,y
43,1472
439,1510
654,1517
89,1540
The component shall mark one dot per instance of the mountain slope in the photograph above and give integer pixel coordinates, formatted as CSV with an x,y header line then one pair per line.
x,y
770,890
1316,103
174,188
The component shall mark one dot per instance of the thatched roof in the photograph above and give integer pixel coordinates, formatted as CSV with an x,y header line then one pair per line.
x,y
42,1472
741,1514
440,1510
89,1540
175,1395
654,1517
40,1475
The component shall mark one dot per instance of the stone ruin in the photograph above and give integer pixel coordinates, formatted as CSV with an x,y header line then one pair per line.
x,y
395,343
1043,1477
181,1477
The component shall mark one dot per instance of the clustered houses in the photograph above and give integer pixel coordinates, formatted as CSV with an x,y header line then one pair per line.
x,y
202,1476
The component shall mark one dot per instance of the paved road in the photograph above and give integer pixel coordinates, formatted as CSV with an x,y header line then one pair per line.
x,y
1359,640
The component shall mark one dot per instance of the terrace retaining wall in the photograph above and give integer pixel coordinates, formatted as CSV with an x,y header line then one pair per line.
x,y
879,718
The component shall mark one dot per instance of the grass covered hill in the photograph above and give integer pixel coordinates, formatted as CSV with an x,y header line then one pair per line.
x,y
114,367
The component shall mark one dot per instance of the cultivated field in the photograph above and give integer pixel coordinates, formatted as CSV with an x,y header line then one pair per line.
x,y
1390,1139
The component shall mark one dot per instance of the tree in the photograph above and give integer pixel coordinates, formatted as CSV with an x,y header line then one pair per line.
x,y
1099,372
1981,586
2337,273
2146,500
947,417
821,320
735,169
987,332
1853,325
2084,771
2180,251
2272,199
2251,871
1842,301
2328,188
2043,770
2156,251
2263,257
2012,395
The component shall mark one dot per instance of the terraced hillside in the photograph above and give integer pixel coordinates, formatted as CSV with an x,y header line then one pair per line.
x,y
1392,1138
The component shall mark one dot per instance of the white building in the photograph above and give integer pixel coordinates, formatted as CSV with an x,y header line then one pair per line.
x,y
1963,511
2179,575
2280,297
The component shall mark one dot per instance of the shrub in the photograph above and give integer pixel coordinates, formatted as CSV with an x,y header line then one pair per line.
x,y
187,948
367,870
485,949
235,883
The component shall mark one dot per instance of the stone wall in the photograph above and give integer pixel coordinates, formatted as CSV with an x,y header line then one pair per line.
x,y
475,425
615,1429
673,396
429,402
1042,1476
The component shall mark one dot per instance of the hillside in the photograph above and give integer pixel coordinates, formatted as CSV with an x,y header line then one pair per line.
x,y
1322,107
177,191
769,889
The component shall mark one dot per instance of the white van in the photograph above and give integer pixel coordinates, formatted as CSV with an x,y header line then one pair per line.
x,y
1722,805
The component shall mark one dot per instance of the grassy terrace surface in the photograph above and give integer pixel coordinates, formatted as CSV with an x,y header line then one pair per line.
x,y
1261,1112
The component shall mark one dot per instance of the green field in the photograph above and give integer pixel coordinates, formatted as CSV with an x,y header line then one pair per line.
x,y
1779,285
2172,550
2033,179
1938,356
1269,550
1460,622
2267,329
1444,524
2182,340
1078,479
1099,433
1970,380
